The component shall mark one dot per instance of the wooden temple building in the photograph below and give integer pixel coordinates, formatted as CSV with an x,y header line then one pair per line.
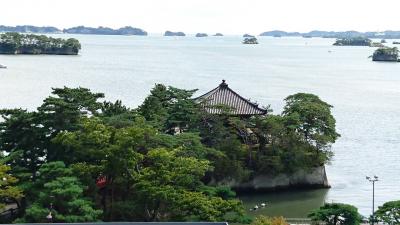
x,y
222,99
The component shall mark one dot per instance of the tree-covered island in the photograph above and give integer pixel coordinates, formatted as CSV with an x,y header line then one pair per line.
x,y
79,159
250,41
353,41
386,54
16,43
172,33
127,30
201,35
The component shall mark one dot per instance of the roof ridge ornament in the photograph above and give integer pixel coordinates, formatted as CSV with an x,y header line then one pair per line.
x,y
223,84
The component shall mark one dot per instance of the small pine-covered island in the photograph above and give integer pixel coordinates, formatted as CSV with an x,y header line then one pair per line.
x,y
218,35
201,35
353,41
250,41
171,33
386,54
248,36
31,44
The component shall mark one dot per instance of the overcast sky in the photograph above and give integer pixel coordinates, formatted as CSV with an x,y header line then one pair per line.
x,y
192,16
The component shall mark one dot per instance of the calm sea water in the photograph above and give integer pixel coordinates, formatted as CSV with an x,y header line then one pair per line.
x,y
365,96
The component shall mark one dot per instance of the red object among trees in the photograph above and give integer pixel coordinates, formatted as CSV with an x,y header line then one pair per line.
x,y
101,182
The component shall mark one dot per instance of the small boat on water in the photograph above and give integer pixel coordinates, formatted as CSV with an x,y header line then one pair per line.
x,y
3,67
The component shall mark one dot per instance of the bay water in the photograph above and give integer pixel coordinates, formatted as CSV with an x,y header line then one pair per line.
x,y
365,96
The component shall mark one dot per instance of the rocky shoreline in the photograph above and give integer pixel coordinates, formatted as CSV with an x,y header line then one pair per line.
x,y
313,179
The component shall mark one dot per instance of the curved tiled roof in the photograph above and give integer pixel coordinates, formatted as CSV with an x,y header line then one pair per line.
x,y
223,98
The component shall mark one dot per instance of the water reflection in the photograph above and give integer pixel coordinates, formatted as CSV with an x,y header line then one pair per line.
x,y
290,204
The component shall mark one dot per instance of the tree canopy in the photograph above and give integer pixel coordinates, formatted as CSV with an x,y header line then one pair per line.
x,y
389,213
336,214
82,159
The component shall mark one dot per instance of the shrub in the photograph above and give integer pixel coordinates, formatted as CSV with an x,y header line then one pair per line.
x,y
389,213
336,214
264,220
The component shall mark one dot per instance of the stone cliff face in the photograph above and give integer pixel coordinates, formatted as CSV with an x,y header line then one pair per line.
x,y
301,179
386,54
386,58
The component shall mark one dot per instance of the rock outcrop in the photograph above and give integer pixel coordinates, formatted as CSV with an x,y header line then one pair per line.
x,y
386,54
301,179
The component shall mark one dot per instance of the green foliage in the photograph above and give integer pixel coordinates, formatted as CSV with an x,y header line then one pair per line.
x,y
264,220
117,115
60,194
300,138
156,162
22,137
158,173
8,191
16,43
62,112
169,108
168,188
221,191
336,214
389,213
311,118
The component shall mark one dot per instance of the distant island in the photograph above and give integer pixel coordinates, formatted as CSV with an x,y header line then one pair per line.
x,y
355,41
250,41
280,33
377,45
333,34
29,29
128,30
201,35
105,31
16,43
386,54
170,33
218,35
248,36
396,42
